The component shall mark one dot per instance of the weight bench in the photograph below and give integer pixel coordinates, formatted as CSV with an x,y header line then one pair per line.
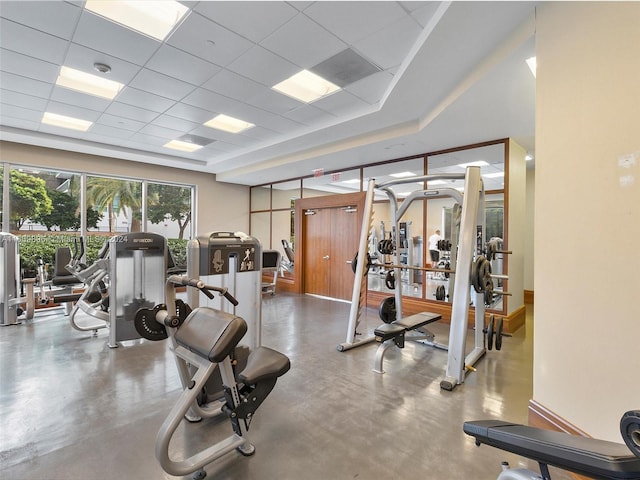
x,y
585,456
394,333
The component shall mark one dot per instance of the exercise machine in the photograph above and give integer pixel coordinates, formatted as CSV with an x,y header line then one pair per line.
x,y
128,274
585,456
10,299
270,265
470,245
203,342
232,261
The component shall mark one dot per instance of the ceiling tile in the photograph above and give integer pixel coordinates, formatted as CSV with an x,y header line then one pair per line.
x,y
31,42
91,136
14,111
83,58
41,15
162,85
190,113
389,46
28,66
253,20
146,100
263,66
120,122
129,111
102,35
20,100
275,102
341,103
303,42
211,101
66,132
73,111
162,132
233,85
19,123
260,133
208,40
25,85
112,132
168,121
372,88
308,114
147,139
79,99
424,12
181,65
353,21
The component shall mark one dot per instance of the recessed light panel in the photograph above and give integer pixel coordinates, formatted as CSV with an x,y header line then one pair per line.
x,y
306,87
493,175
228,124
150,17
402,174
182,146
66,122
88,83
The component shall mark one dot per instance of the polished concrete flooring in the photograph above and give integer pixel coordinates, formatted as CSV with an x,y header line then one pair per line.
x,y
72,408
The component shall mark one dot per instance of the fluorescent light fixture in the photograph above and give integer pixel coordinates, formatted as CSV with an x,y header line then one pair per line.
x,y
528,157
88,83
493,175
479,163
153,18
402,174
431,183
65,122
532,65
182,146
306,87
353,180
228,124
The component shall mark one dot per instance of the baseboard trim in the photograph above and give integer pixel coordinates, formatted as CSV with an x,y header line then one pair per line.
x,y
528,297
515,319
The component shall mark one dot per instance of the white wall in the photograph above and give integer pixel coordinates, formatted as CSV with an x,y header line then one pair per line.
x,y
215,211
587,213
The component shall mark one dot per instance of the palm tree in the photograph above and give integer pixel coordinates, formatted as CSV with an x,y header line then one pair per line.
x,y
116,196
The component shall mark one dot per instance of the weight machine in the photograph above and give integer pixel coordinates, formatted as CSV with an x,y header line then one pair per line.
x,y
470,244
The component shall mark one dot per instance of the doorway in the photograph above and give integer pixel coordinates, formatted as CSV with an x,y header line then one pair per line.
x,y
328,232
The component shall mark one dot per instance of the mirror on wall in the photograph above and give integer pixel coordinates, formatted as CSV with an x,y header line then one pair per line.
x,y
382,275
443,212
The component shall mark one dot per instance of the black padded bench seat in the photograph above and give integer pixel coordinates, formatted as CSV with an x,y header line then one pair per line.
x,y
585,456
392,330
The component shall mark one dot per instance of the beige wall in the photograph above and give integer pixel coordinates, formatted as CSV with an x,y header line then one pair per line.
x,y
587,213
529,229
214,210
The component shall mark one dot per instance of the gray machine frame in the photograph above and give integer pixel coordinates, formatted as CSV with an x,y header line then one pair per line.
x,y
470,243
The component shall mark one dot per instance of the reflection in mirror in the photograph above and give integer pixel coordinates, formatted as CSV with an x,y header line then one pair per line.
x,y
282,239
442,212
284,194
382,275
330,184
261,228
260,198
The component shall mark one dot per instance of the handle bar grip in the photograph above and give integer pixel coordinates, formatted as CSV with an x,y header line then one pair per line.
x,y
231,298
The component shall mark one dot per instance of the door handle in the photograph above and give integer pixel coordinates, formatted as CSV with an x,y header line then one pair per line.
x,y
326,257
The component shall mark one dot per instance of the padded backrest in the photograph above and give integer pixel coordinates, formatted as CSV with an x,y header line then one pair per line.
x,y
211,333
62,259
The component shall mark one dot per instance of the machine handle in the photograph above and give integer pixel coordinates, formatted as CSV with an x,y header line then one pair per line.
x,y
200,285
326,257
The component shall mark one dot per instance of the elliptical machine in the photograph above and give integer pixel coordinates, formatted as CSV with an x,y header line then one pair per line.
x,y
203,340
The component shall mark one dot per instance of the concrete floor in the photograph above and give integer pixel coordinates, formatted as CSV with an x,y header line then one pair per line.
x,y
72,408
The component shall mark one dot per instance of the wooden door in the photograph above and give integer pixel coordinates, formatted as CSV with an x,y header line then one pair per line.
x,y
317,251
331,236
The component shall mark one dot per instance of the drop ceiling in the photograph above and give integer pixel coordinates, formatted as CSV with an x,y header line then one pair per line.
x,y
432,75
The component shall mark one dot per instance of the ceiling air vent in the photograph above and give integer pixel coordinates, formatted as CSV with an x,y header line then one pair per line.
x,y
345,68
196,140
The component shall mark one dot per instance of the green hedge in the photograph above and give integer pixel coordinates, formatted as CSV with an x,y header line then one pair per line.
x,y
34,247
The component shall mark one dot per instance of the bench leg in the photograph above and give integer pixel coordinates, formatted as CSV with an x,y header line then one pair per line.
x,y
384,346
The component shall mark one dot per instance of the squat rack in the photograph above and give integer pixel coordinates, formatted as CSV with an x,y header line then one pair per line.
x,y
470,242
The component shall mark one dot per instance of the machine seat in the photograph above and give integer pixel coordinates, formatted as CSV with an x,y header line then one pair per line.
x,y
211,334
585,456
263,364
391,330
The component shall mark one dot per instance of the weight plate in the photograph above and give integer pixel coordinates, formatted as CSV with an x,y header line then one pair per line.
x,y
630,430
390,280
490,332
146,325
387,310
440,292
499,327
182,310
354,264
